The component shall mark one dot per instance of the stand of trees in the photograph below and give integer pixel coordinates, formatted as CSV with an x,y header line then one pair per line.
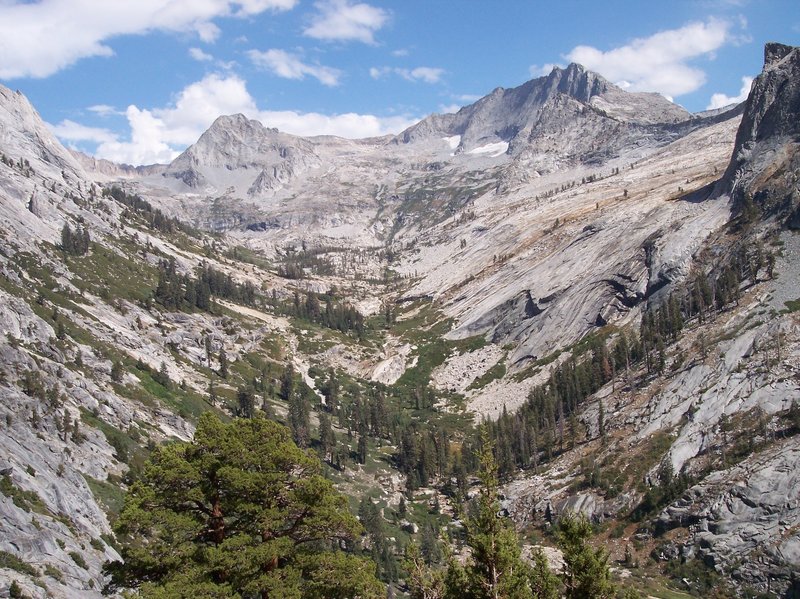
x,y
495,568
329,313
175,291
547,422
75,241
153,217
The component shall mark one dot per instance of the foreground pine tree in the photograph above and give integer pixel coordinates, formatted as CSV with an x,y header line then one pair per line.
x,y
240,511
586,572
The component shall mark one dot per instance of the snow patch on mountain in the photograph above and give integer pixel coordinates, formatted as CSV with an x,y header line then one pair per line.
x,y
494,149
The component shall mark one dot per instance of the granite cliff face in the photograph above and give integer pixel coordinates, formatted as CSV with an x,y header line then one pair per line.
x,y
766,156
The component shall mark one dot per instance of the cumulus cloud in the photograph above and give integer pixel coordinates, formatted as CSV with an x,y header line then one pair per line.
x,y
426,74
200,56
342,20
719,100
449,108
659,62
103,110
160,134
71,131
378,72
543,70
289,66
29,48
351,125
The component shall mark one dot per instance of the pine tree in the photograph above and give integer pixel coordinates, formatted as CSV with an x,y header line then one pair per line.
x,y
246,399
327,438
117,371
601,421
496,568
424,581
287,382
66,238
208,348
223,364
212,392
299,420
331,391
586,572
362,448
162,376
15,591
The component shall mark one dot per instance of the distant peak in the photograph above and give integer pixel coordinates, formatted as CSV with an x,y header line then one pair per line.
x,y
576,81
227,120
574,67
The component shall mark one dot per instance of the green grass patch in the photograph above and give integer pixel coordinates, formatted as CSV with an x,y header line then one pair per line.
x,y
28,501
12,562
78,559
426,329
433,353
187,403
496,372
243,254
793,305
110,496
54,572
110,275
126,449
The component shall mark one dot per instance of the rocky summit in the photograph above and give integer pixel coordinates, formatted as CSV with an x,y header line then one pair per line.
x,y
605,281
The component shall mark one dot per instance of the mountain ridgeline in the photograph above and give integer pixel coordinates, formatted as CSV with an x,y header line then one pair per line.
x,y
564,298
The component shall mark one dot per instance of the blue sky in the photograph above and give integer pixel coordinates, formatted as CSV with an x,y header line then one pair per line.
x,y
137,81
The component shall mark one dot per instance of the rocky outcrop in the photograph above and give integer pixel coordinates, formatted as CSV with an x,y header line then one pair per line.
x,y
766,156
24,134
746,520
106,170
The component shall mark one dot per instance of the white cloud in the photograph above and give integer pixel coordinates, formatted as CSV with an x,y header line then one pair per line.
x,y
159,134
426,74
253,7
289,66
400,53
378,72
470,98
200,56
542,71
449,108
659,62
40,38
351,125
71,131
342,20
719,100
104,110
